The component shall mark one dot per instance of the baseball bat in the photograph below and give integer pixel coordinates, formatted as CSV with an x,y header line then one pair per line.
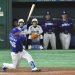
x,y
30,13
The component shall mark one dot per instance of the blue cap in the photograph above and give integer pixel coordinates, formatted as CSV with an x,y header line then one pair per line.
x,y
64,12
47,13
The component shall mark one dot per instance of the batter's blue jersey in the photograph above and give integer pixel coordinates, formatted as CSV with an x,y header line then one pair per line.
x,y
16,40
48,25
24,27
66,25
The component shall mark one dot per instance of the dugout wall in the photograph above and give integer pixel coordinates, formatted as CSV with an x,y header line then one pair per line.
x,y
5,22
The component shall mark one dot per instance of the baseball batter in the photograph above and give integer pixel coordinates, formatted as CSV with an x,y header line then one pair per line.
x,y
48,26
37,29
16,37
66,25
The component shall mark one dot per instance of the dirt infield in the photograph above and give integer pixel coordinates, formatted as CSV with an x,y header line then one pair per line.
x,y
45,71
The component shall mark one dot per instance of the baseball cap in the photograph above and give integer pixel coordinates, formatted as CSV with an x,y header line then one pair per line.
x,y
47,13
64,12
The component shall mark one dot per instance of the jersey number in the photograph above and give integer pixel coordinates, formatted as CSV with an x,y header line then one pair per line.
x,y
13,44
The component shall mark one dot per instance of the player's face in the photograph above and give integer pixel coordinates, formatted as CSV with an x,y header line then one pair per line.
x,y
21,24
34,23
64,16
47,17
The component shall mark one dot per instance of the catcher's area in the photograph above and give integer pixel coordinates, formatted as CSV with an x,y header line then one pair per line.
x,y
45,71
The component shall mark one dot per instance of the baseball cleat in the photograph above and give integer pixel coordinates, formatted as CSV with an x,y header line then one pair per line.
x,y
4,68
38,70
41,47
29,47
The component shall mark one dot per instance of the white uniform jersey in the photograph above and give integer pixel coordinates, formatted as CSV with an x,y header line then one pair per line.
x,y
37,29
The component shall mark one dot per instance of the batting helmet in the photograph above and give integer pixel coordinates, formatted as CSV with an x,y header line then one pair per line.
x,y
20,20
34,20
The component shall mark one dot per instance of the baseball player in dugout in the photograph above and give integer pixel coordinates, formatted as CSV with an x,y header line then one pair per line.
x,y
16,37
48,26
35,35
66,25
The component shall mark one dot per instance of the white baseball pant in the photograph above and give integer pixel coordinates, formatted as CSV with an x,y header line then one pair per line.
x,y
65,40
49,38
16,57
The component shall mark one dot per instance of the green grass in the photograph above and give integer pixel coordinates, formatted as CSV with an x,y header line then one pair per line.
x,y
45,58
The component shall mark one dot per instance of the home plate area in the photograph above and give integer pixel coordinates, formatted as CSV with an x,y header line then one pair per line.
x,y
44,71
